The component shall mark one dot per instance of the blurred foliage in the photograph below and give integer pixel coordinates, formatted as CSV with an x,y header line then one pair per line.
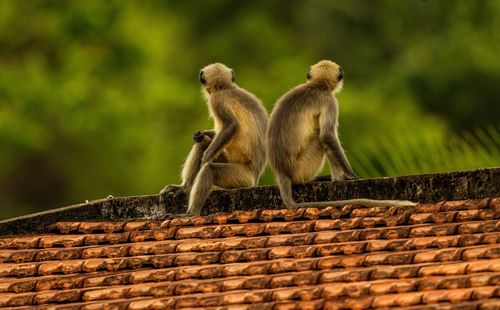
x,y
101,97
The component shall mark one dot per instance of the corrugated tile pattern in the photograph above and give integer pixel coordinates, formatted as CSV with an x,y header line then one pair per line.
x,y
431,256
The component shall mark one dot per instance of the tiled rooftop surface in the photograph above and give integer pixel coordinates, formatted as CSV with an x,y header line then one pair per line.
x,y
430,256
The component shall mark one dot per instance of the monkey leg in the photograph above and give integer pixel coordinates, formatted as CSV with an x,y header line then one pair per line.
x,y
192,165
225,175
190,168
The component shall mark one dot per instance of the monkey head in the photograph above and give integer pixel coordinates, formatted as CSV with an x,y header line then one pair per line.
x,y
328,73
216,76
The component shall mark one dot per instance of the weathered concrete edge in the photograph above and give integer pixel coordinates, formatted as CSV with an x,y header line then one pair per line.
x,y
471,184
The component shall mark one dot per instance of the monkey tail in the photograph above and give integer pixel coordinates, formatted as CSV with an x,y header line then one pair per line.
x,y
285,187
360,201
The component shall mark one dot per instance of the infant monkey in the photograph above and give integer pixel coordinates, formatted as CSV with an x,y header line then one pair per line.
x,y
233,153
302,129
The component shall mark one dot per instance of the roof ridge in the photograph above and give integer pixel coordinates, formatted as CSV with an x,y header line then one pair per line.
x,y
425,188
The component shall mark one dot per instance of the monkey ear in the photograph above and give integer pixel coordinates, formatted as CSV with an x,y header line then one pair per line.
x,y
309,75
202,78
233,76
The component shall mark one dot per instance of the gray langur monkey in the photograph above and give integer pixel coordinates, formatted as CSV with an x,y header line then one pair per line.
x,y
302,129
233,153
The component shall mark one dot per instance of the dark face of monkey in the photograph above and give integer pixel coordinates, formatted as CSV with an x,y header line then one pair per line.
x,y
202,78
216,76
341,74
327,72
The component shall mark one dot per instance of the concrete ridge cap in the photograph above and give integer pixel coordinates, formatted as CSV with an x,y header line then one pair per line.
x,y
457,185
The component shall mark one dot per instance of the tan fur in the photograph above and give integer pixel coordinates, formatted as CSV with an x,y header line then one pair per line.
x,y
235,157
238,150
302,131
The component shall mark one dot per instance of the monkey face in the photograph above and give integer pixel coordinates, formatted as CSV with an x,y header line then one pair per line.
x,y
216,76
202,78
327,71
341,74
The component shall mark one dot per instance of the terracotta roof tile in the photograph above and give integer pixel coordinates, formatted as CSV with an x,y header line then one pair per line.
x,y
430,256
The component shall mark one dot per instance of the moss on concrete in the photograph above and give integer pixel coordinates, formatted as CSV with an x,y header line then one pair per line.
x,y
473,184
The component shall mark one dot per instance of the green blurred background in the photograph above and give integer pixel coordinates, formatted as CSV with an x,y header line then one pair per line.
x,y
102,97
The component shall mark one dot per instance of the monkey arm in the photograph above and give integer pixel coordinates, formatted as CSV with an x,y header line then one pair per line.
x,y
336,154
230,126
210,133
329,137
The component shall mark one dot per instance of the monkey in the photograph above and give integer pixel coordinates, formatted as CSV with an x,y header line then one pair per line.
x,y
232,154
302,131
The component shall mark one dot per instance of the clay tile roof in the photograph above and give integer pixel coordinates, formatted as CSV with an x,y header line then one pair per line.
x,y
431,256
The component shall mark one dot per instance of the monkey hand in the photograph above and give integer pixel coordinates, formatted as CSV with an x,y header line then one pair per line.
x,y
203,137
198,136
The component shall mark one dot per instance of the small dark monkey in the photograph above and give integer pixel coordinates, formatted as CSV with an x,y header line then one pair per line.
x,y
233,153
302,130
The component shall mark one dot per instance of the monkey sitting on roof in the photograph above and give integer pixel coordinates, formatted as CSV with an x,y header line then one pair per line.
x,y
302,130
233,153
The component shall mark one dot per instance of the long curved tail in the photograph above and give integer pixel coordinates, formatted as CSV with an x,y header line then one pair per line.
x,y
285,186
